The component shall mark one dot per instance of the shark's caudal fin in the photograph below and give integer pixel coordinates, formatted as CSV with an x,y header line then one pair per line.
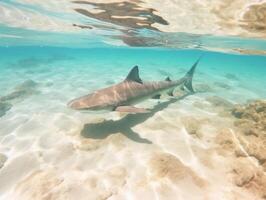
x,y
189,76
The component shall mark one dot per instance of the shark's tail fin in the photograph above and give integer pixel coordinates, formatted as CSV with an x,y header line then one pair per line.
x,y
189,76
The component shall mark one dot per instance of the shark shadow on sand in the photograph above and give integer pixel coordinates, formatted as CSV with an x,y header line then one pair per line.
x,y
125,125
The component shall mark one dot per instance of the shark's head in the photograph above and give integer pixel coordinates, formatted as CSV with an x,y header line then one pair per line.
x,y
90,102
107,98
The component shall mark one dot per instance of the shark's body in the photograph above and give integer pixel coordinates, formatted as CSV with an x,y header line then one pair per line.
x,y
122,96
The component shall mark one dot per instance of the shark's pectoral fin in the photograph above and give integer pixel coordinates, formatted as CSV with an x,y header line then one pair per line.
x,y
131,109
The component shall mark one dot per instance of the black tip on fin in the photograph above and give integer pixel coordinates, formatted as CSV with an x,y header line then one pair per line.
x,y
133,75
168,78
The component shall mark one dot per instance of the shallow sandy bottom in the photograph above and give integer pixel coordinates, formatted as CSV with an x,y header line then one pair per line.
x,y
48,151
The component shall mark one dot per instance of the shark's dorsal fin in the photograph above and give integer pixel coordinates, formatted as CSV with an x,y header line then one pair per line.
x,y
168,78
133,75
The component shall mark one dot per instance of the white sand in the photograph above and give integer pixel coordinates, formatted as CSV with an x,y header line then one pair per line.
x,y
48,158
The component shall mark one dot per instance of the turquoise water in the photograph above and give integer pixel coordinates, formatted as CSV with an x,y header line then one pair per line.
x,y
40,134
83,70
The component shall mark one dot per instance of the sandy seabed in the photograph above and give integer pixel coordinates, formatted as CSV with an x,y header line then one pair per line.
x,y
199,146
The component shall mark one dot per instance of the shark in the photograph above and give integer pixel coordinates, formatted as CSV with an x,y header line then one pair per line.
x,y
123,97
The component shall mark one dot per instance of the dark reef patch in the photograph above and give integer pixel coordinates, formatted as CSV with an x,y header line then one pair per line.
x,y
245,141
22,90
251,118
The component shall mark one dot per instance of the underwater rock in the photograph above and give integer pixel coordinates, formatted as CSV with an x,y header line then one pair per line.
x,y
258,185
248,142
164,165
249,176
24,89
244,171
251,118
251,124
246,127
255,111
226,141
256,147
4,107
3,159
219,102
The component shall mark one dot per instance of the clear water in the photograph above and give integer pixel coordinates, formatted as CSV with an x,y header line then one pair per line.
x,y
72,71
53,152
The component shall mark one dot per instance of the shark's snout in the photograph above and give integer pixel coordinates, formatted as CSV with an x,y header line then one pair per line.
x,y
83,104
75,105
